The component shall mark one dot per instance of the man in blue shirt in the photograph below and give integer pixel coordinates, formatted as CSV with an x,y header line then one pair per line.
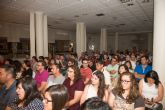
x,y
142,69
8,90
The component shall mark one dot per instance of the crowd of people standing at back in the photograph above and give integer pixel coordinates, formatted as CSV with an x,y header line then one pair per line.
x,y
91,82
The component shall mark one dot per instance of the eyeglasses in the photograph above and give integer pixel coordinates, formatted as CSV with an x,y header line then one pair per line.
x,y
124,81
45,100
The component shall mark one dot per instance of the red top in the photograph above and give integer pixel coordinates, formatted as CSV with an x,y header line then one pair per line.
x,y
86,73
77,86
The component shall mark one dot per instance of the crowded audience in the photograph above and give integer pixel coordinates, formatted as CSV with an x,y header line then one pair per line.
x,y
92,81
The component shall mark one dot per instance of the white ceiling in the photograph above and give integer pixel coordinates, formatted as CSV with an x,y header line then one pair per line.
x,y
64,14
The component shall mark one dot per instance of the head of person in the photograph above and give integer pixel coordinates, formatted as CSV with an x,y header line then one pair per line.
x,y
27,90
105,57
127,82
144,60
123,68
99,65
73,73
85,63
26,63
7,73
70,62
9,62
55,97
129,65
114,61
55,69
41,65
133,56
41,58
52,61
17,66
98,79
152,78
95,103
127,58
90,62
46,59
34,59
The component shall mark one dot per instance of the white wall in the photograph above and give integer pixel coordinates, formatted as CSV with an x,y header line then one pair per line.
x,y
15,31
127,41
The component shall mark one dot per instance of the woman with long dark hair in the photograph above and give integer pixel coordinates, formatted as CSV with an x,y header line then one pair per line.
x,y
28,96
152,90
55,97
126,95
96,88
75,86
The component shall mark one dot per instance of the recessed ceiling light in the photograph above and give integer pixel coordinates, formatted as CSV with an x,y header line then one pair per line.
x,y
100,14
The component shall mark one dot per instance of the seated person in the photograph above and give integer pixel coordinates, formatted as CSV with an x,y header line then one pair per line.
x,y
75,86
29,97
55,97
125,96
142,69
8,89
96,88
152,90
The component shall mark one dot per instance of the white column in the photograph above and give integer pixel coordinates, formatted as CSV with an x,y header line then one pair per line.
x,y
80,38
103,40
150,42
159,40
116,41
32,34
45,36
39,34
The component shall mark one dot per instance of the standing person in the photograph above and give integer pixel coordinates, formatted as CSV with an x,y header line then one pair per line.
x,y
56,77
75,86
29,97
152,91
126,95
96,88
142,69
41,76
55,97
8,90
85,71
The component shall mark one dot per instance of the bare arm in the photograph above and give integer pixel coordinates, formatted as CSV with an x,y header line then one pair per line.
x,y
42,87
111,100
7,108
86,81
140,87
106,96
160,93
84,94
140,108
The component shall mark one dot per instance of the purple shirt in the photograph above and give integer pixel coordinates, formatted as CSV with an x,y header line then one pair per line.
x,y
41,77
77,86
